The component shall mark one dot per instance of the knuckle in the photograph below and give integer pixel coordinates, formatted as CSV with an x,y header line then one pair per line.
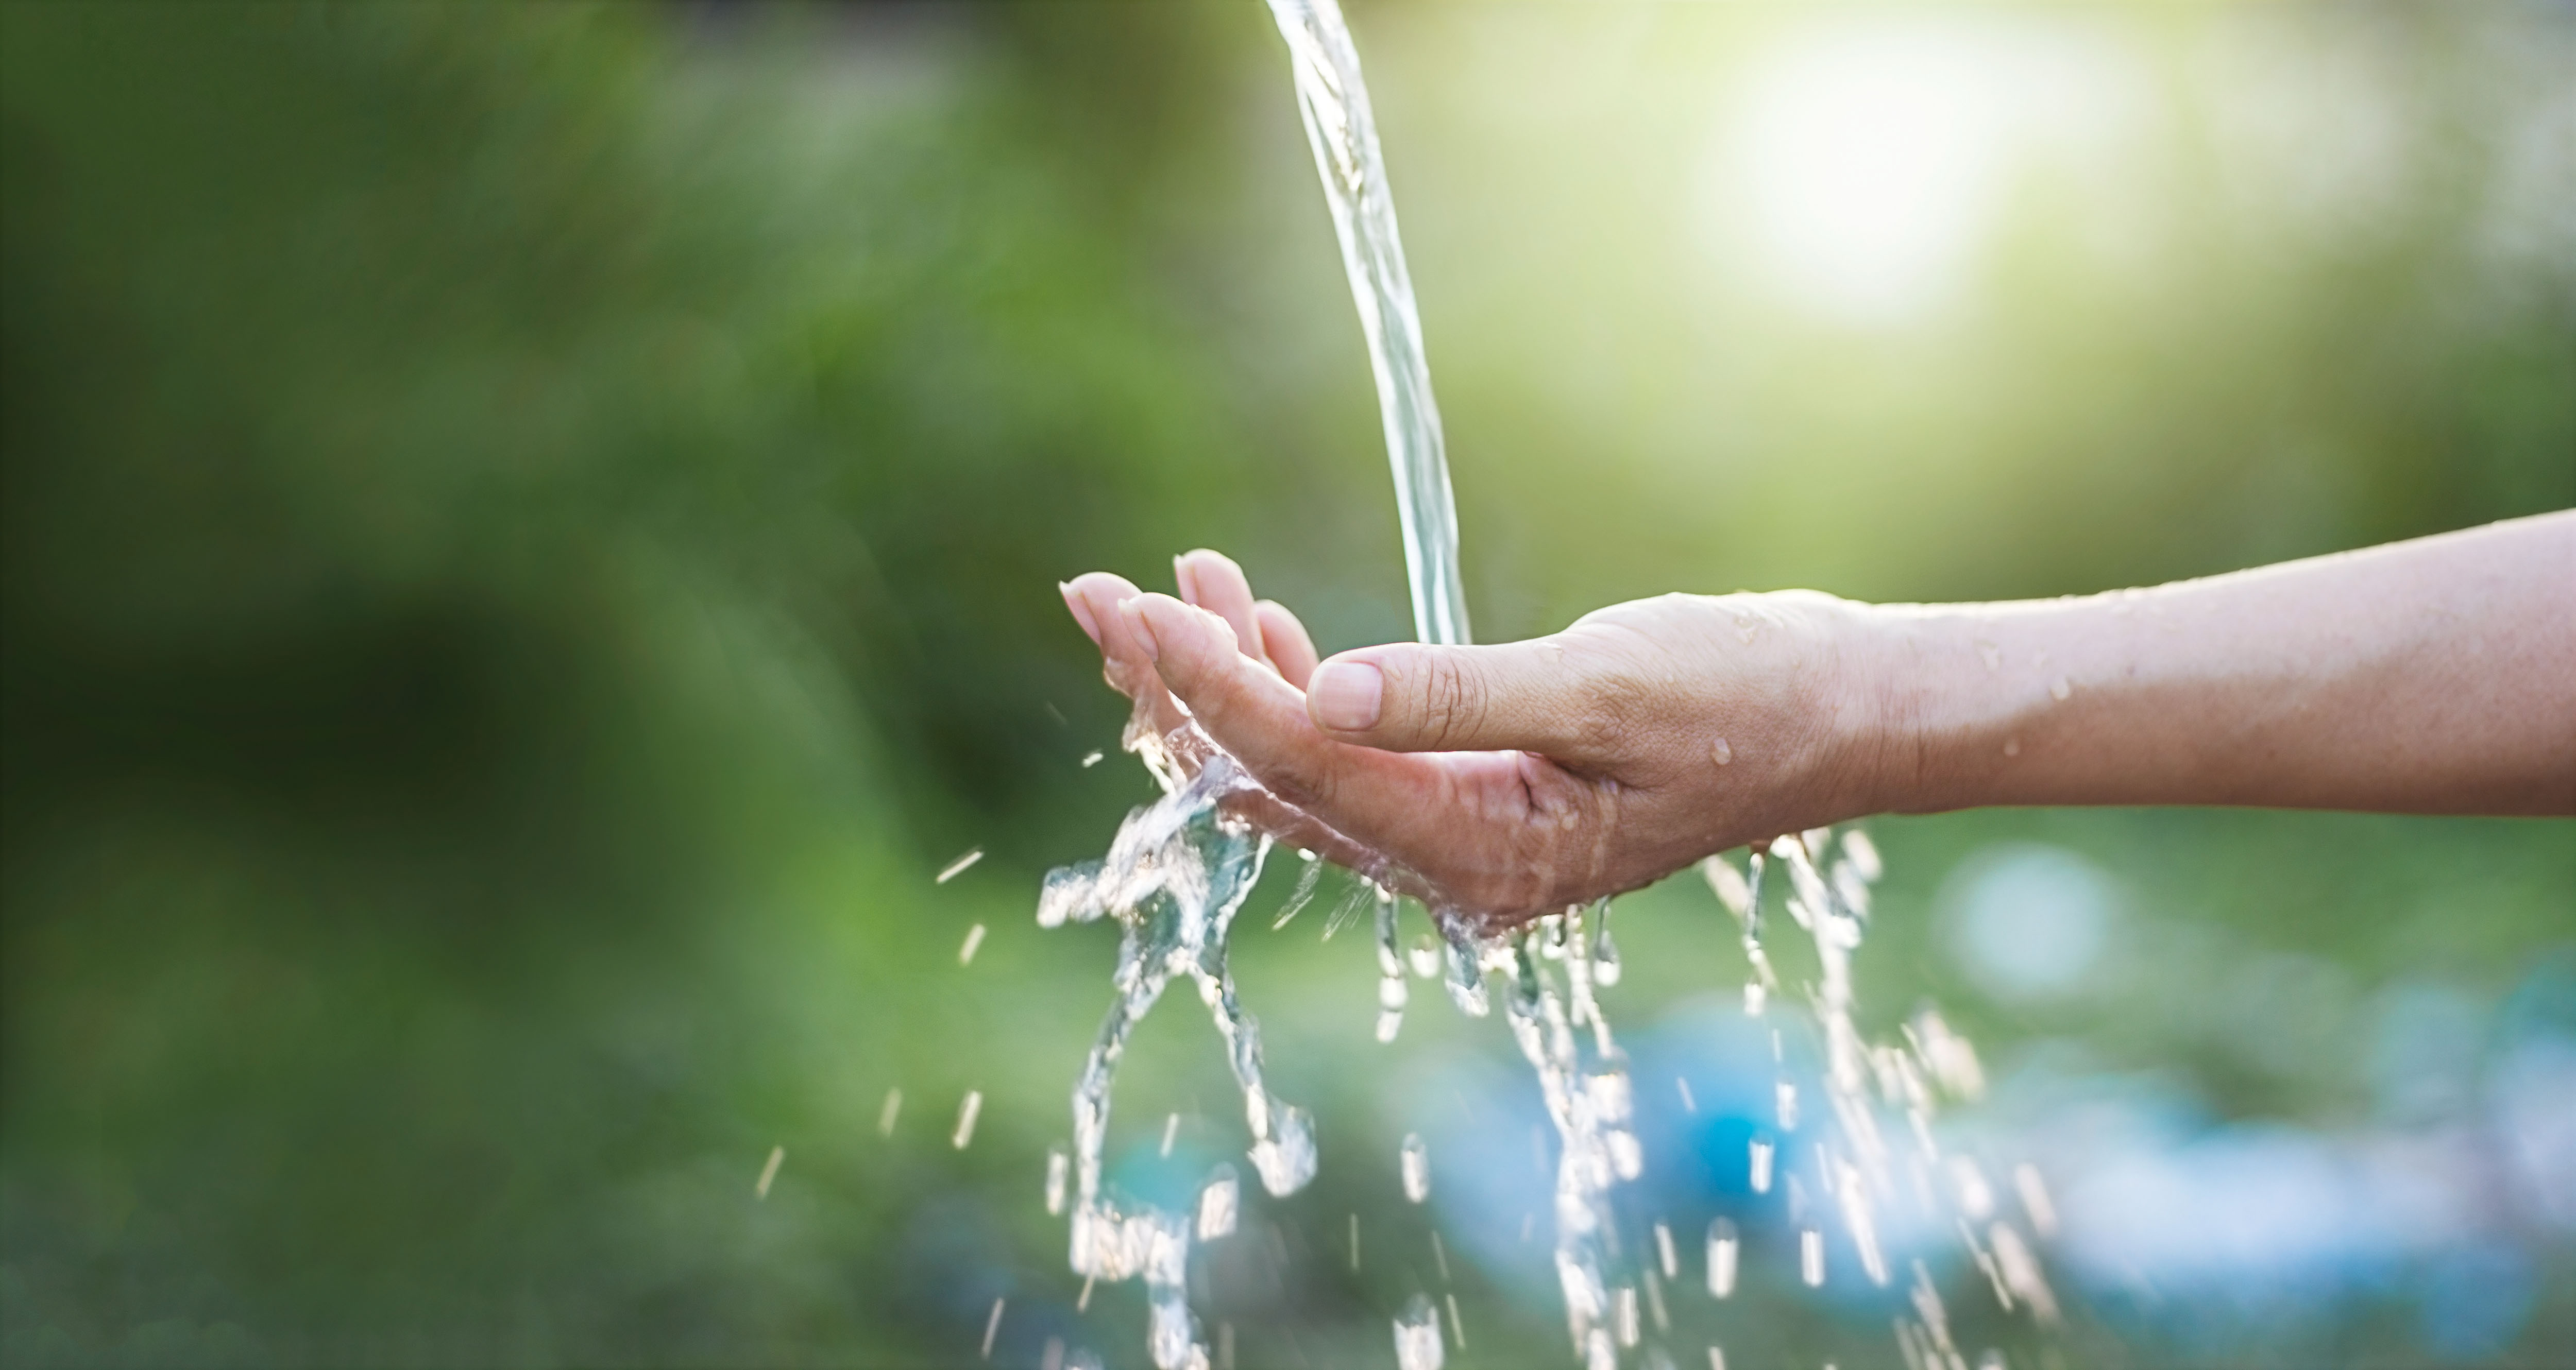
x,y
1453,703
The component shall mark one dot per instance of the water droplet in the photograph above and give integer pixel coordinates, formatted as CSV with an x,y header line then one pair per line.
x,y
1465,980
1811,1256
1417,1336
1991,1359
2061,688
1689,1104
1976,1197
966,1111
2035,1200
1171,1133
1219,1200
886,1114
1424,956
1720,752
1623,1314
1716,1359
1754,998
1664,1254
1863,854
1605,959
1727,883
2021,1273
1355,1241
1457,1328
992,1325
974,939
1786,1097
1414,1159
958,867
1722,1253
1598,1351
1091,759
1285,1160
1059,1167
769,1172
1760,1152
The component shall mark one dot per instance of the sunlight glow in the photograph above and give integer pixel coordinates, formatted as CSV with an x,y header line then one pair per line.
x,y
1869,159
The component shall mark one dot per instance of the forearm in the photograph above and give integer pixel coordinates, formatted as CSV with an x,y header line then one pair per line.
x,y
2434,676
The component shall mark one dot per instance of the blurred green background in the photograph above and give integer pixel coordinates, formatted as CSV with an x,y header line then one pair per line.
x,y
529,538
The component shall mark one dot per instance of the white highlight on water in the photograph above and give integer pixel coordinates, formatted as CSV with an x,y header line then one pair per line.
x,y
974,939
1091,758
1758,1156
1664,1253
1059,1165
1723,1248
1417,1336
958,867
886,1114
966,1111
1171,1133
769,1172
1219,1200
1811,1256
992,1325
1414,1160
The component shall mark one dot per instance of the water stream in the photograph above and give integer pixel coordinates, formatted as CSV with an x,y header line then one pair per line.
x,y
1180,869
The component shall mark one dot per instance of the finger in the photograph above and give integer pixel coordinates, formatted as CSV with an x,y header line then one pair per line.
x,y
1212,581
1259,718
1284,639
1125,662
1410,697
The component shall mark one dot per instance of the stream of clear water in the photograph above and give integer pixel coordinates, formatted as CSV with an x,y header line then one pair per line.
x,y
1181,868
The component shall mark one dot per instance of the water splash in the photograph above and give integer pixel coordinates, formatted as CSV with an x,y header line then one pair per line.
x,y
1176,874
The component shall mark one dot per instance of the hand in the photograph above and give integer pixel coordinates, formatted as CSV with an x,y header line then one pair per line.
x,y
1505,782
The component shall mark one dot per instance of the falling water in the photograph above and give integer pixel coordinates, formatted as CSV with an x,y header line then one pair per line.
x,y
1343,133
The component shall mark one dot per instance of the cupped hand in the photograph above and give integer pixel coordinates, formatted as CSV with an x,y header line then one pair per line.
x,y
1504,782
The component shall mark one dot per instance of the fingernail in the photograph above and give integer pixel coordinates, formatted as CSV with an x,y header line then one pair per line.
x,y
1081,611
1346,695
1133,610
1185,580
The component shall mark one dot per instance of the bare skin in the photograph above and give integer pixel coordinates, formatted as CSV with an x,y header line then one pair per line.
x,y
2432,676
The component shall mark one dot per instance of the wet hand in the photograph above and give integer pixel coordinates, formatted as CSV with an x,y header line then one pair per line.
x,y
1508,781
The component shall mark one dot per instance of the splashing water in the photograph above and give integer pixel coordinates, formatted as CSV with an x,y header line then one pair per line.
x,y
1174,878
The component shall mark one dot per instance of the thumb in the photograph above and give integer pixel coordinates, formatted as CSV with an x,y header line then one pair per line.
x,y
1411,697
